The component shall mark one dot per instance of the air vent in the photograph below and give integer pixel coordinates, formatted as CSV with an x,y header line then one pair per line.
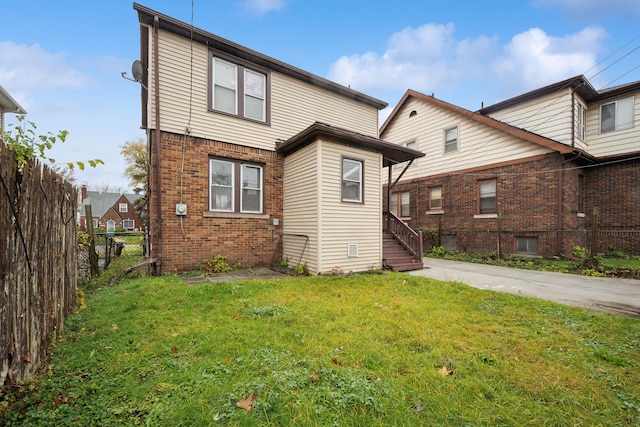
x,y
352,250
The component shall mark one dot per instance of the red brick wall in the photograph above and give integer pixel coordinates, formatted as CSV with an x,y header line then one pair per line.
x,y
615,190
527,199
251,240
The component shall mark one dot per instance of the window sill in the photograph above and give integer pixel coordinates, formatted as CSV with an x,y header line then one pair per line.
x,y
435,212
211,214
485,216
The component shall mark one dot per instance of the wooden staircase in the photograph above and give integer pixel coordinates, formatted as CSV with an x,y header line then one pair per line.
x,y
396,257
401,246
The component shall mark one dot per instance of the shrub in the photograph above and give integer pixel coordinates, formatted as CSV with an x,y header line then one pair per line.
x,y
216,265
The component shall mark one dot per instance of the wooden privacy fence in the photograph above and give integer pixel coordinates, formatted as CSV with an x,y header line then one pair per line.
x,y
38,263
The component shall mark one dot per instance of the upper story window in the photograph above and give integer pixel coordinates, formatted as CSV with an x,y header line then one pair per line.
x,y
487,196
451,140
240,89
414,146
123,207
352,180
435,198
235,186
616,115
400,204
581,122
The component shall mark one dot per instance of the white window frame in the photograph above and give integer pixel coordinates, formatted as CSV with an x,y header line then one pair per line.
x,y
229,86
488,195
237,186
262,97
451,144
618,117
413,144
212,185
123,207
259,188
128,221
111,226
346,161
581,122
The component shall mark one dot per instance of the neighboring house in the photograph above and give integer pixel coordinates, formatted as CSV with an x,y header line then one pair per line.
x,y
533,167
256,160
7,105
110,211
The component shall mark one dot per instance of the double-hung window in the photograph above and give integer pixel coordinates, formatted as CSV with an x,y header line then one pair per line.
x,y
235,186
451,140
400,204
352,180
581,122
487,195
617,115
414,146
123,207
240,89
435,198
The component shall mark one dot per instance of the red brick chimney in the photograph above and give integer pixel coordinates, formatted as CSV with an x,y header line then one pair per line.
x,y
84,192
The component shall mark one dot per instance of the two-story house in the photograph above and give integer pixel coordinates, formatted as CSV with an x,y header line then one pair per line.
x,y
522,176
109,210
255,159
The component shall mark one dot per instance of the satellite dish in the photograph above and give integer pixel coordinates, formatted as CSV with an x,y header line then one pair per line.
x,y
137,70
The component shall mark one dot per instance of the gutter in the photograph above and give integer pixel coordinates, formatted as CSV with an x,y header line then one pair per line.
x,y
156,140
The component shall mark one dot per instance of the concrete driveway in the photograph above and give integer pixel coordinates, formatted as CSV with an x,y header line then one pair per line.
x,y
603,294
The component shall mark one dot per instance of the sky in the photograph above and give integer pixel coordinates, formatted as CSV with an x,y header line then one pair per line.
x,y
63,61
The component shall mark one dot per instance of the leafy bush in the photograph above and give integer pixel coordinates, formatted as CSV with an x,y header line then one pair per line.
x,y
216,265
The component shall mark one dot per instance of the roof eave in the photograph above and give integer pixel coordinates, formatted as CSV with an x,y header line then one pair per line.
x,y
146,16
391,153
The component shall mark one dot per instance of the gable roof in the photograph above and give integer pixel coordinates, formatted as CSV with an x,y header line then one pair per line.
x,y
148,16
496,124
101,202
579,84
391,153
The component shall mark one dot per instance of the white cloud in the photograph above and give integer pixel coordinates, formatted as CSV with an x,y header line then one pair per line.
x,y
533,58
591,9
430,58
30,68
420,58
262,7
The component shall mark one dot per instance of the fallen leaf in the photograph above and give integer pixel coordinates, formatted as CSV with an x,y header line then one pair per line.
x,y
247,403
174,349
114,326
235,316
336,361
227,360
314,378
444,371
175,334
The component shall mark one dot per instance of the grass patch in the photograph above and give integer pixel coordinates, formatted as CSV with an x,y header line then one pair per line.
x,y
360,350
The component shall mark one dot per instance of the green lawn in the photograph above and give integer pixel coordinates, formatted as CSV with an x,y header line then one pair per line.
x,y
361,350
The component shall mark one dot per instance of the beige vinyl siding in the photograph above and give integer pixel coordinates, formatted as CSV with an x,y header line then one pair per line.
x,y
549,116
616,142
295,105
344,223
478,144
301,207
579,143
313,207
